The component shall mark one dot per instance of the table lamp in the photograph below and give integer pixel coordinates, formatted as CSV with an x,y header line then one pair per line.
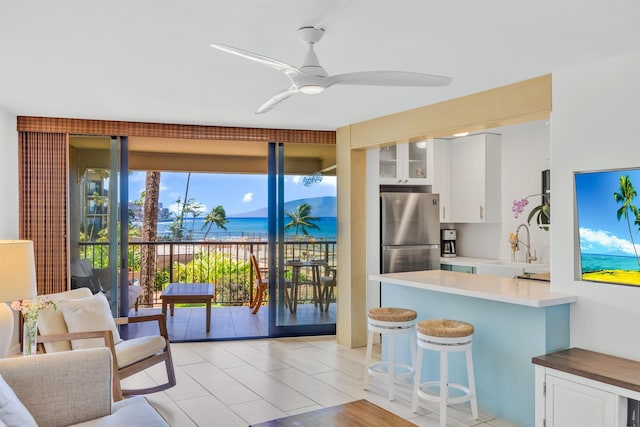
x,y
17,282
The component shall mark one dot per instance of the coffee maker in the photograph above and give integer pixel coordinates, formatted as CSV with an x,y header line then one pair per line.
x,y
448,243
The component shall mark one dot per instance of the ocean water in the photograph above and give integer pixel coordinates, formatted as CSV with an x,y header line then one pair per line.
x,y
238,228
592,262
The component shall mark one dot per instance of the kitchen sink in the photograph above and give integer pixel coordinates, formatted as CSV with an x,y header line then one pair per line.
x,y
510,268
527,267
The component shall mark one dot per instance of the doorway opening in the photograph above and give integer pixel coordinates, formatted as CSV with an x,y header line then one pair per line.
x,y
208,222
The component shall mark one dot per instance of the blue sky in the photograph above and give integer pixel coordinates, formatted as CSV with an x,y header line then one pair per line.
x,y
237,193
600,230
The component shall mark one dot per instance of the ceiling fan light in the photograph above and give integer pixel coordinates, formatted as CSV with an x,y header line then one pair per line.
x,y
311,89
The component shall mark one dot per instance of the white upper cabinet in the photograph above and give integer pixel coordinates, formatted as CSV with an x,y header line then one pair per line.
x,y
464,171
442,176
475,179
406,164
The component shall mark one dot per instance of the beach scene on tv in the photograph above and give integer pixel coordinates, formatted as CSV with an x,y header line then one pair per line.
x,y
608,210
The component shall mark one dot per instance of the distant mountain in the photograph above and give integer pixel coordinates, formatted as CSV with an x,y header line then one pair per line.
x,y
320,207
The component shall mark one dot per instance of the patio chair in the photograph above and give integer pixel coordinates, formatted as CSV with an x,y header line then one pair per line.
x,y
262,285
328,282
83,320
99,280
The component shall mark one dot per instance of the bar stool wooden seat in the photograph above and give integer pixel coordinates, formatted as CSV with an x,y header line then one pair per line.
x,y
445,336
390,321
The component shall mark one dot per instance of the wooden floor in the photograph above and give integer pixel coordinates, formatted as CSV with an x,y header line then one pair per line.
x,y
359,413
188,323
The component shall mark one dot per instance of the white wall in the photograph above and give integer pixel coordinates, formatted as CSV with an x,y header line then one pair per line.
x,y
595,125
9,190
525,154
8,176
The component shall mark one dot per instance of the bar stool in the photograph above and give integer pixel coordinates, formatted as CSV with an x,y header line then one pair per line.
x,y
445,336
390,321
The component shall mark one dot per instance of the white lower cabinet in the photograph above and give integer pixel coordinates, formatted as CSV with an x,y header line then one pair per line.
x,y
567,400
570,404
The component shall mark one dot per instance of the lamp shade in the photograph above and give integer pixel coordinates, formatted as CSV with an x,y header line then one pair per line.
x,y
17,270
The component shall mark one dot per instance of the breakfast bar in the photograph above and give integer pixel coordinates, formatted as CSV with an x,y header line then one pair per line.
x,y
514,320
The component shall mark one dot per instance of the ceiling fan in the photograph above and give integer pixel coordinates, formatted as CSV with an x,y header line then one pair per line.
x,y
311,78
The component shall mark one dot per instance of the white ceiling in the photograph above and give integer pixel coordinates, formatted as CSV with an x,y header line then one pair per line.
x,y
150,60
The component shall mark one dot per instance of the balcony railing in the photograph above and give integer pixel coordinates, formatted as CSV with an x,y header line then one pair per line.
x,y
226,264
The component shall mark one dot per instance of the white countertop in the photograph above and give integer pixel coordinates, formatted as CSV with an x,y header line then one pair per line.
x,y
529,293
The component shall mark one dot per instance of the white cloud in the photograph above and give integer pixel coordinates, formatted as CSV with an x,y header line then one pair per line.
x,y
606,240
585,247
327,180
247,197
330,181
174,208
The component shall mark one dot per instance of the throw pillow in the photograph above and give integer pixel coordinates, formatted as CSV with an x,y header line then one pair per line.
x,y
89,314
12,411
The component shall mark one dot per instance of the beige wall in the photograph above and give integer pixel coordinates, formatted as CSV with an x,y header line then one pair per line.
x,y
516,103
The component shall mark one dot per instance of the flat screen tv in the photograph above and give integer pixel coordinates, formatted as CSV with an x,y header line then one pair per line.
x,y
608,210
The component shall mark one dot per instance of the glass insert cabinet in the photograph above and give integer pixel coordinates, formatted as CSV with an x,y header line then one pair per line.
x,y
406,164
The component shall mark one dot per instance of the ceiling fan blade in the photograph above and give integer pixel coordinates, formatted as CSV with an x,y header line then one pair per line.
x,y
273,63
276,99
388,78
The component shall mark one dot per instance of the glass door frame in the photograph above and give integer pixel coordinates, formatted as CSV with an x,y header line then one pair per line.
x,y
123,213
275,227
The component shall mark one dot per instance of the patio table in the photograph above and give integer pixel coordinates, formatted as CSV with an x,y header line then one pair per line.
x,y
188,293
314,265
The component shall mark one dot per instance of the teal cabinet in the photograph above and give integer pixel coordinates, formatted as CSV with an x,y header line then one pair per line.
x,y
458,268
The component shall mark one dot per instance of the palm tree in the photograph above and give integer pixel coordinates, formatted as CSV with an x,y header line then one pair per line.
x,y
184,205
625,196
194,208
149,234
301,220
218,217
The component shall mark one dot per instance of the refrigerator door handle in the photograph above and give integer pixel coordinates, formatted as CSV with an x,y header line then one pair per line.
x,y
434,246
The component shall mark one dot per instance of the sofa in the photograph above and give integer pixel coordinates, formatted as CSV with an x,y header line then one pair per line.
x,y
71,388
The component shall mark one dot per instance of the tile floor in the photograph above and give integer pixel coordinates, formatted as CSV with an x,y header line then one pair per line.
x,y
238,383
189,324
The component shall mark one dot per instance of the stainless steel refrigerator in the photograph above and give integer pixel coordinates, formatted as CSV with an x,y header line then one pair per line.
x,y
410,232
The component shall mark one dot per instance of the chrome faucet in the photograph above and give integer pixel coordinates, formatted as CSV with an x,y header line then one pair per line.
x,y
528,258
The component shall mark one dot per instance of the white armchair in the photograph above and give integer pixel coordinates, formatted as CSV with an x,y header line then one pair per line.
x,y
65,389
83,320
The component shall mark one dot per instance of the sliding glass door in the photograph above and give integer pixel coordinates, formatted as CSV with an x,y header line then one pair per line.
x,y
302,247
98,205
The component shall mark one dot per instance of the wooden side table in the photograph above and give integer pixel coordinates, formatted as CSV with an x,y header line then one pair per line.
x,y
188,293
